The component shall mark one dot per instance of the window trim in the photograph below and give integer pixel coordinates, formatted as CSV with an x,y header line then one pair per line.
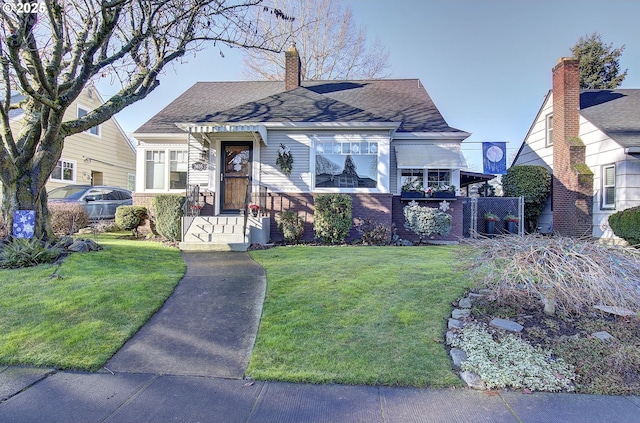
x,y
604,186
73,173
548,130
342,139
87,110
167,173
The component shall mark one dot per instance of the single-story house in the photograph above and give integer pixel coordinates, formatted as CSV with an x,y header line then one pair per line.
x,y
219,142
590,142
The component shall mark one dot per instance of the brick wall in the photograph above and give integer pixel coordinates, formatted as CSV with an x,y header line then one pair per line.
x,y
291,68
373,206
455,211
572,180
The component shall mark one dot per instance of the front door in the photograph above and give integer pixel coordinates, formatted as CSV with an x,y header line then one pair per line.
x,y
235,175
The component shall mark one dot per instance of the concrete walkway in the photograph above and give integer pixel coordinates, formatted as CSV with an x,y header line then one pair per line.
x,y
187,365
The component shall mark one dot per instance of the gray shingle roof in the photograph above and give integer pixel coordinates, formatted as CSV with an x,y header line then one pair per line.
x,y
615,112
389,100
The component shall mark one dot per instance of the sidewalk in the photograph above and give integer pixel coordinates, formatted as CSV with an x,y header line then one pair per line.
x,y
187,365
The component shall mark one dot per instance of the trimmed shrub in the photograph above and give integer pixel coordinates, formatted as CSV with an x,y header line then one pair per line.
x,y
67,218
426,222
168,211
626,225
291,225
534,184
22,252
374,233
130,217
332,217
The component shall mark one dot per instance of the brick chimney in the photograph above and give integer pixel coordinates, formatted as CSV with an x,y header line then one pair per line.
x,y
572,179
291,68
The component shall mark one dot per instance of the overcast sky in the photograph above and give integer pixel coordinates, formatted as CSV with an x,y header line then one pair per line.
x,y
486,63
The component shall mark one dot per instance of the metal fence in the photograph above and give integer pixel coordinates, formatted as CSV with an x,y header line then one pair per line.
x,y
475,208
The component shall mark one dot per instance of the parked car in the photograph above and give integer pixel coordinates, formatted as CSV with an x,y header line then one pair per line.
x,y
100,202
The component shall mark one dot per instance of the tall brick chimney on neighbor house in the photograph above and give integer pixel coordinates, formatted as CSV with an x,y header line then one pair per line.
x,y
291,68
572,179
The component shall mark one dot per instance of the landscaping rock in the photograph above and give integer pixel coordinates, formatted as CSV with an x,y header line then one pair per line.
x,y
618,311
458,356
604,337
473,380
465,303
506,325
449,336
455,324
460,314
83,245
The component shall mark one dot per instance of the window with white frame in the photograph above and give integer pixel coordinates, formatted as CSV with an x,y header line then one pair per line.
x,y
65,171
609,186
346,164
438,178
548,130
155,169
94,130
165,169
131,181
177,169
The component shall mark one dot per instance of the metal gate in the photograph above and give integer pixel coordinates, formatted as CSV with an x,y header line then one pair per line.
x,y
475,208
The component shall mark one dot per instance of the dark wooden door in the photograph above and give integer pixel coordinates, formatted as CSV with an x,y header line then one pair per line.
x,y
235,175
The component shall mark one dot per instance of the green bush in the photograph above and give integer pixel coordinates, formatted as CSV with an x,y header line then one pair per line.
x,y
130,217
626,225
427,222
22,252
168,212
332,217
374,233
67,218
291,225
534,184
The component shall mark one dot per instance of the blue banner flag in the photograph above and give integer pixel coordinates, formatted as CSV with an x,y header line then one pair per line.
x,y
494,157
24,223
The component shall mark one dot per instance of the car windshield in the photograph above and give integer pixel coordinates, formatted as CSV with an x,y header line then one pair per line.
x,y
67,193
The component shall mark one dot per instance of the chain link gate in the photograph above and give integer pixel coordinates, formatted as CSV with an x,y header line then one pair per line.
x,y
475,208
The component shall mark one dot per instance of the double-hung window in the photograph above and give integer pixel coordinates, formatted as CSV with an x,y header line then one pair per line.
x,y
82,112
609,186
65,171
165,169
548,134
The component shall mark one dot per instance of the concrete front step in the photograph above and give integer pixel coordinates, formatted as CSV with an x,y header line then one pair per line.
x,y
216,233
210,246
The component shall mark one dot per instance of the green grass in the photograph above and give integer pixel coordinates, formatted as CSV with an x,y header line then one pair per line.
x,y
78,318
357,315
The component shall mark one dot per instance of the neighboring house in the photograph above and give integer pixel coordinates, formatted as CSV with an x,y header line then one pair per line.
x,y
590,141
103,155
363,138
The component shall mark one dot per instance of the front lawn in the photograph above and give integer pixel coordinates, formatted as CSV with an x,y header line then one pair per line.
x,y
357,315
78,315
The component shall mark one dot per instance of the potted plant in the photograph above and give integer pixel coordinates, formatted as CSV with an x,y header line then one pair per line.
x,y
511,223
412,189
444,191
490,220
255,209
195,209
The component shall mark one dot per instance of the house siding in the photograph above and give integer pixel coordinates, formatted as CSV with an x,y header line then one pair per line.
x,y
110,153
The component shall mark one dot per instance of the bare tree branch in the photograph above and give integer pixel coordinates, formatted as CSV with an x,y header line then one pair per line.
x,y
330,45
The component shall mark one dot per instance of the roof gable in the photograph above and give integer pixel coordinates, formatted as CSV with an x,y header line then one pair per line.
x,y
614,112
400,100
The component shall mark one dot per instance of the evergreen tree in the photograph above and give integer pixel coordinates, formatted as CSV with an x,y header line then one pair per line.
x,y
599,63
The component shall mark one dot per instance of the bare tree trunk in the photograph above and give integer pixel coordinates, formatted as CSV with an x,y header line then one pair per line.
x,y
26,192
